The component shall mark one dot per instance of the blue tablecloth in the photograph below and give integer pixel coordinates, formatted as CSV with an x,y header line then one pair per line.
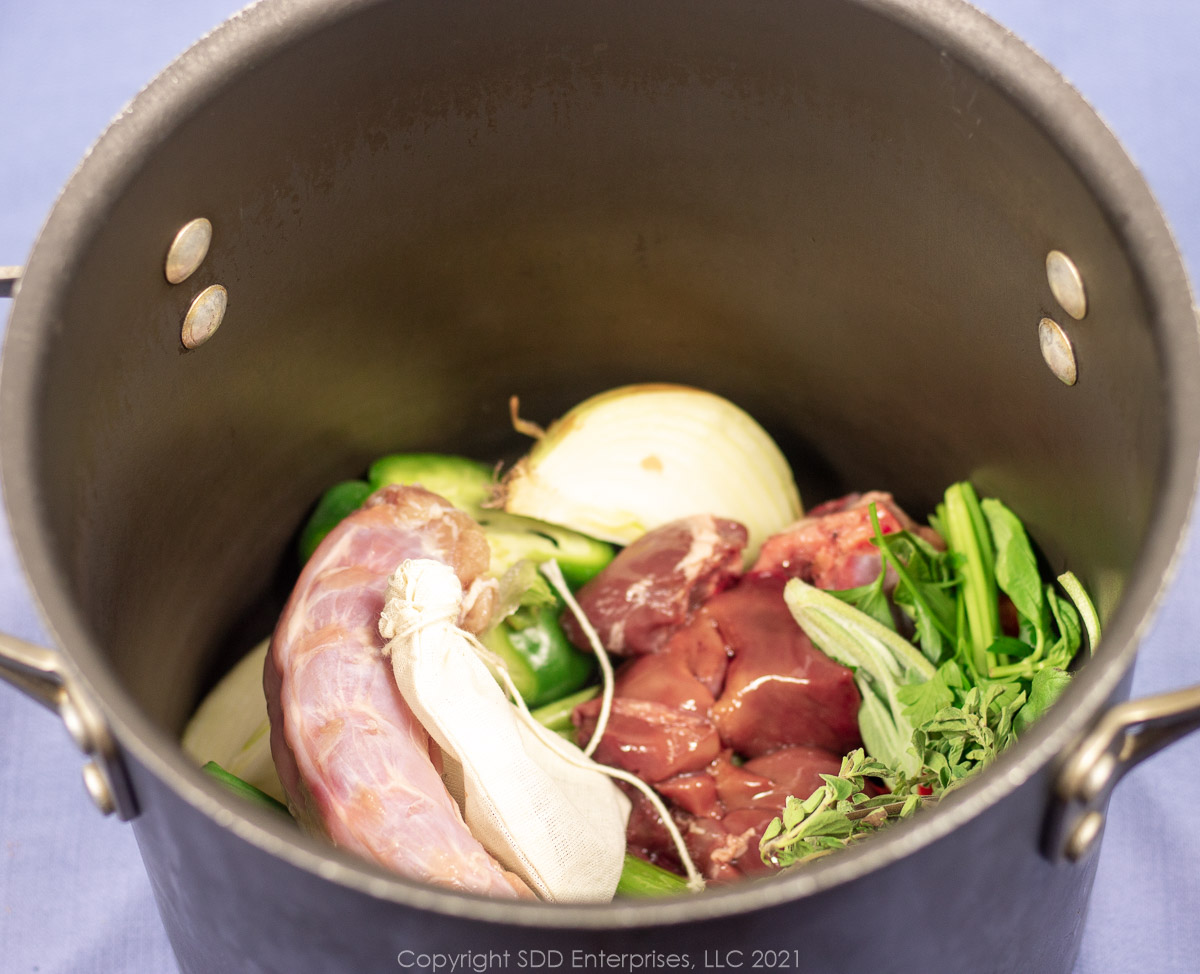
x,y
73,894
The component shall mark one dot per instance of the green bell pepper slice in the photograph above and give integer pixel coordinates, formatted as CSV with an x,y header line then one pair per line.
x,y
543,664
467,484
338,501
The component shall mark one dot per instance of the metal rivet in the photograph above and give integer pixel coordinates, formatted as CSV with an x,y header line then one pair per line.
x,y
96,783
1084,835
204,316
1099,777
188,250
1057,351
76,725
1066,284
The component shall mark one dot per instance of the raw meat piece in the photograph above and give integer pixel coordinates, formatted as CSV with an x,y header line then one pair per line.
x,y
728,672
355,763
694,793
653,586
659,726
667,678
652,740
724,810
795,770
779,690
831,547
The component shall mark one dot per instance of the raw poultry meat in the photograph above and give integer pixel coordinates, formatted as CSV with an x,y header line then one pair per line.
x,y
354,762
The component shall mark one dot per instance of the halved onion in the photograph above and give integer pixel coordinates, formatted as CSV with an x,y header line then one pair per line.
x,y
633,458
231,726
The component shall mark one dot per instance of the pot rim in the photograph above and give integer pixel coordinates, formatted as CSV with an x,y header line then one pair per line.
x,y
267,26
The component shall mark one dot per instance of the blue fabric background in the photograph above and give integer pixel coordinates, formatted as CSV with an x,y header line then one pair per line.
x,y
73,895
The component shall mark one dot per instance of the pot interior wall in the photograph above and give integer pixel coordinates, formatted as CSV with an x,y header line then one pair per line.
x,y
428,207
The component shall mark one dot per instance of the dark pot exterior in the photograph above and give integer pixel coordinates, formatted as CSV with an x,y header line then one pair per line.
x,y
983,899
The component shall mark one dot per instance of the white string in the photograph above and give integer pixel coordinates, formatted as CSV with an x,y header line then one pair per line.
x,y
695,880
414,619
551,570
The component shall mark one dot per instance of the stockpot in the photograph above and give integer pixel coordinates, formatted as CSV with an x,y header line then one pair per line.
x,y
838,213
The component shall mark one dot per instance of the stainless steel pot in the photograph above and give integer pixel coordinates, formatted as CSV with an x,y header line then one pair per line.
x,y
814,208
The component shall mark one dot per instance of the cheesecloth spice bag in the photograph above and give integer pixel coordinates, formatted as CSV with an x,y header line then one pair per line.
x,y
531,798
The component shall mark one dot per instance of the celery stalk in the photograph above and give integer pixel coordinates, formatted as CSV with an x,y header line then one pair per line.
x,y
967,534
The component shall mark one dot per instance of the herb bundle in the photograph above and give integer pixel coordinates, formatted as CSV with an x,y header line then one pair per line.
x,y
939,705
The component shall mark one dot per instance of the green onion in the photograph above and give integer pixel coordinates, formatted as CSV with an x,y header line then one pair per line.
x,y
557,716
1087,611
244,789
643,879
231,726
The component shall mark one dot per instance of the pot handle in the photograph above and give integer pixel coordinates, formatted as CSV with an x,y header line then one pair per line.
x,y
42,674
1125,736
10,281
